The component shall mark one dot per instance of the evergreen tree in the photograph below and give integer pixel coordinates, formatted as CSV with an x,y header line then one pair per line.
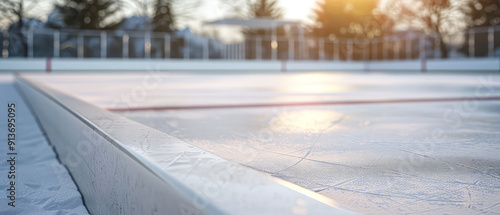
x,y
90,14
265,9
163,19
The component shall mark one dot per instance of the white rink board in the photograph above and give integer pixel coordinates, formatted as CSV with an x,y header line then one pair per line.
x,y
480,64
163,65
99,65
124,167
22,64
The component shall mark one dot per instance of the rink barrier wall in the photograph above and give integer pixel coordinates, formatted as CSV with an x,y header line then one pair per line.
x,y
123,167
48,65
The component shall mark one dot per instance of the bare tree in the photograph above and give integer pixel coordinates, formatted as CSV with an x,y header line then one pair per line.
x,y
431,16
140,7
482,12
166,12
12,11
234,8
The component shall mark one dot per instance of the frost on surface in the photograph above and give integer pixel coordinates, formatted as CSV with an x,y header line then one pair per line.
x,y
43,185
427,157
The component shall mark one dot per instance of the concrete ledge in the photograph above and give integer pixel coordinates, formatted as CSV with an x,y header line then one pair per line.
x,y
122,167
98,65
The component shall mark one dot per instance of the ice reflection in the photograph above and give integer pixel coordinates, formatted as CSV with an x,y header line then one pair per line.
x,y
315,83
305,121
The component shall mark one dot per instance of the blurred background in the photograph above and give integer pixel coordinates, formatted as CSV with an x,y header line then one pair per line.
x,y
377,135
250,29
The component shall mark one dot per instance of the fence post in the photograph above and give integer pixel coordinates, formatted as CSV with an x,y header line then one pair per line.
x,y
244,48
336,47
205,48
436,46
306,48
408,47
222,51
234,51
57,44
274,43
147,45
237,51
103,44
321,44
274,49
80,45
125,39
301,48
422,46
258,47
166,45
366,49
374,49
30,43
384,48
240,51
395,47
349,49
472,38
491,42
187,48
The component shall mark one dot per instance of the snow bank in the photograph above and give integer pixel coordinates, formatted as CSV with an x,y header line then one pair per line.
x,y
42,184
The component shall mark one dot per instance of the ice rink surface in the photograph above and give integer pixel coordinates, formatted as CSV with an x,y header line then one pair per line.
x,y
375,157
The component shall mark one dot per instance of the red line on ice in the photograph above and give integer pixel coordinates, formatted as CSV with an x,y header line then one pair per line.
x,y
383,101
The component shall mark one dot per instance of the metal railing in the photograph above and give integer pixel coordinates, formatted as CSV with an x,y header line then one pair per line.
x,y
476,42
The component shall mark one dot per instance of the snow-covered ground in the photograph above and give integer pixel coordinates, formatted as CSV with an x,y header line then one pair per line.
x,y
419,157
42,185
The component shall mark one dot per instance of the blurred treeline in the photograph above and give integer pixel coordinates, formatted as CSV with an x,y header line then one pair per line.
x,y
332,18
95,14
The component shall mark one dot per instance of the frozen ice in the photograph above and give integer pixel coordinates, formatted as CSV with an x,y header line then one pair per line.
x,y
388,158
